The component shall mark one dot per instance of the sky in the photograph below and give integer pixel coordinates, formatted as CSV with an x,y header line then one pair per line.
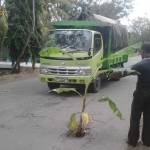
x,y
141,9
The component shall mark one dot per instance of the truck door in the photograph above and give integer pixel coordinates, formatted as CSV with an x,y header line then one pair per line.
x,y
97,50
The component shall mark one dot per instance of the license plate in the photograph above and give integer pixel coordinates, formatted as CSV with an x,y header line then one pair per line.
x,y
61,79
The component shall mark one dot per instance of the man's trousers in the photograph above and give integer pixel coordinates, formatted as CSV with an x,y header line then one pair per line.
x,y
140,104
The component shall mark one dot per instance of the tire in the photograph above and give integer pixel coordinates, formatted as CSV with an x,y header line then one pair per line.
x,y
95,85
80,88
122,65
52,86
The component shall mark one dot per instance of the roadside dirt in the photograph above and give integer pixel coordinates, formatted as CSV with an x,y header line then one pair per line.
x,y
6,75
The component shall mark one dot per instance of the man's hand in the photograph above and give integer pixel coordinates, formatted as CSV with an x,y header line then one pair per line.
x,y
128,72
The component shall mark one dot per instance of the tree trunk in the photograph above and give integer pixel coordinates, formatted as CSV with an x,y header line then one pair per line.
x,y
16,67
33,61
1,45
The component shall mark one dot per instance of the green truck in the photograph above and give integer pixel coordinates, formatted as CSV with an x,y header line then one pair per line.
x,y
79,51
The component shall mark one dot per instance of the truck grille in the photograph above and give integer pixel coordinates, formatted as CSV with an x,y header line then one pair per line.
x,y
62,71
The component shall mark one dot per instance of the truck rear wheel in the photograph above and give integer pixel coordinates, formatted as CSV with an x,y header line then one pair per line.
x,y
52,86
122,65
95,85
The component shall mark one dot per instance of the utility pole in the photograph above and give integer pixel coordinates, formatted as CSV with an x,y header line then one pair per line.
x,y
33,4
33,30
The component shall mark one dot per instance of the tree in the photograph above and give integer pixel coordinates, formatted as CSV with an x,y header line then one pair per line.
x,y
80,10
114,9
141,28
57,9
24,29
3,25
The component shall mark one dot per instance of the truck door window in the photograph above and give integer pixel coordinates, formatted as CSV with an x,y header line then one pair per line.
x,y
97,43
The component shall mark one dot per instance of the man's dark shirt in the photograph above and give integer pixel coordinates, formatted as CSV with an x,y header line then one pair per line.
x,y
143,67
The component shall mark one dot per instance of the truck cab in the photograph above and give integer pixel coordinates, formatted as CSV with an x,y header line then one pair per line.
x,y
73,57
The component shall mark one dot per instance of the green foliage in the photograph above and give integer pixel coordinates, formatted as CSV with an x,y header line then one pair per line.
x,y
56,10
80,10
3,26
20,26
112,106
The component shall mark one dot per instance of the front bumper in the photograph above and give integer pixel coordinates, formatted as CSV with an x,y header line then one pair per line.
x,y
65,79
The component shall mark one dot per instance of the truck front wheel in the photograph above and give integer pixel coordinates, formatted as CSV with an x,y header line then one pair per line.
x,y
52,86
95,85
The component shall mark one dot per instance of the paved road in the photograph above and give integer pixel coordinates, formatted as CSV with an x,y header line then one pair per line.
x,y
33,119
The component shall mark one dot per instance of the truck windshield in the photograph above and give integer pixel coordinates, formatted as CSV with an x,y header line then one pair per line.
x,y
71,39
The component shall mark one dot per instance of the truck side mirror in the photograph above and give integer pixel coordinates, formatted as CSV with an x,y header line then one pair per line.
x,y
89,52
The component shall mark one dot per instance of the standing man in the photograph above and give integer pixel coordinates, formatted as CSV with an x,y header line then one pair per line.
x,y
141,100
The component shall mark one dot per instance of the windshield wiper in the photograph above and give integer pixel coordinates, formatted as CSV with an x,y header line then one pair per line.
x,y
65,52
77,50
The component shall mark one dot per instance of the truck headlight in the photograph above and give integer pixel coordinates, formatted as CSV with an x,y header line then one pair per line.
x,y
84,71
43,69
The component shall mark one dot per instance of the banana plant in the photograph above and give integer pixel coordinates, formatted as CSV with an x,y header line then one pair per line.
x,y
79,122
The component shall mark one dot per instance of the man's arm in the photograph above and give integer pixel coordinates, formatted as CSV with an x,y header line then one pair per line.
x,y
137,67
116,74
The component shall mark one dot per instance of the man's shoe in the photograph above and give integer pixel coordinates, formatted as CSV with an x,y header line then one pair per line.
x,y
131,144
